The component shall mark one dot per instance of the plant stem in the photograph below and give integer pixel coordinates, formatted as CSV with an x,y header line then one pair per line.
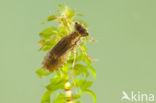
x,y
68,92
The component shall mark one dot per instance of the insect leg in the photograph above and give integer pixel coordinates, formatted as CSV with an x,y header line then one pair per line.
x,y
92,40
91,59
71,73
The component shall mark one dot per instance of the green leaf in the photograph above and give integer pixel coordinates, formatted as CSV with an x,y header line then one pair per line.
x,y
42,72
79,14
46,97
84,47
48,44
61,8
80,69
78,102
92,70
77,96
43,23
47,33
64,70
68,12
91,93
71,14
46,47
57,83
62,31
53,17
65,23
83,84
60,99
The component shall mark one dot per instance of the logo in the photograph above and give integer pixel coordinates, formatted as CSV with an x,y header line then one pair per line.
x,y
137,97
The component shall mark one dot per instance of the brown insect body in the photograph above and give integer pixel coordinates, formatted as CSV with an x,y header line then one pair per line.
x,y
59,54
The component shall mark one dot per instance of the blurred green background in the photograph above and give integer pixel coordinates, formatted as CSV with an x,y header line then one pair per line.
x,y
126,47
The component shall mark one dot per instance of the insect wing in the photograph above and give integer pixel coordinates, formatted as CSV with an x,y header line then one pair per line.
x,y
61,47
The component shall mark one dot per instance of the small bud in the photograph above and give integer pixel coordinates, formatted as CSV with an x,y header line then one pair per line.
x,y
69,93
71,102
67,85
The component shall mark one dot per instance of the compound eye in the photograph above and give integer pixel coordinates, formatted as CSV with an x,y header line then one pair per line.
x,y
87,34
76,23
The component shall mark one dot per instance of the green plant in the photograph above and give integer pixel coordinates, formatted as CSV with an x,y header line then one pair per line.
x,y
62,80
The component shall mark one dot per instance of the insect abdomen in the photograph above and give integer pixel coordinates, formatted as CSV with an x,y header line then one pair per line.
x,y
51,63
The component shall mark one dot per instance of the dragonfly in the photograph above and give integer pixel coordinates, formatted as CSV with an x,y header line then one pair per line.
x,y
59,54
